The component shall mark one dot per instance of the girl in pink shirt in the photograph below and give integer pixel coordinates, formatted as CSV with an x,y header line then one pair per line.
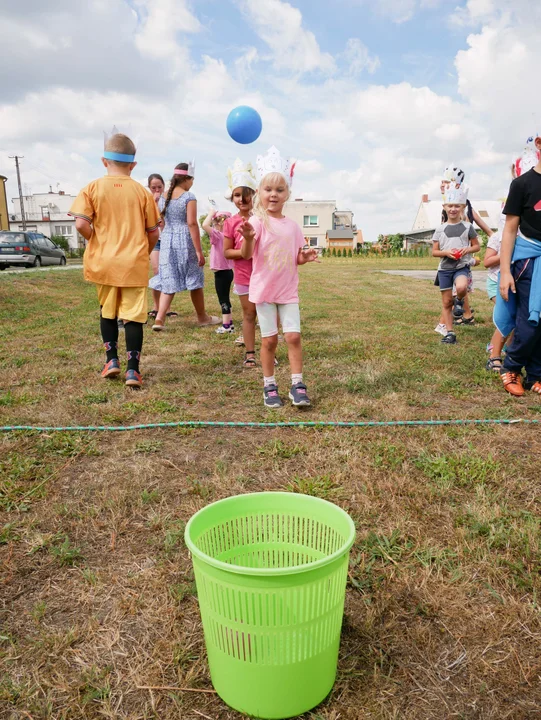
x,y
213,225
242,185
276,246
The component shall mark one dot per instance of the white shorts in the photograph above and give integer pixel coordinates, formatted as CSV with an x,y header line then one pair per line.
x,y
267,314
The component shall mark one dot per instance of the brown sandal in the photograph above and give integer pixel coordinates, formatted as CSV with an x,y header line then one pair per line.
x,y
249,362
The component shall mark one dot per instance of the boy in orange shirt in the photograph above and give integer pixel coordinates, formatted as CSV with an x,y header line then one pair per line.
x,y
120,220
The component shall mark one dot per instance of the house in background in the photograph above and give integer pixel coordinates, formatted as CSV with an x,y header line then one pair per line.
x,y
4,218
47,213
318,218
428,218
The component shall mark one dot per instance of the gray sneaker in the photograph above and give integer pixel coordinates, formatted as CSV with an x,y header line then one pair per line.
x,y
449,339
298,395
272,399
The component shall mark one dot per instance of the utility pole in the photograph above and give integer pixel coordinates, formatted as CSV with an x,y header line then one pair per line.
x,y
17,158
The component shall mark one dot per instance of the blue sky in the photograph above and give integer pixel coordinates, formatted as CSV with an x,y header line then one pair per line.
x,y
373,99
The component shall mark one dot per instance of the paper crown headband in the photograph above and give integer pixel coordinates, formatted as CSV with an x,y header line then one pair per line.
x,y
456,195
453,174
115,156
274,162
241,175
529,157
190,171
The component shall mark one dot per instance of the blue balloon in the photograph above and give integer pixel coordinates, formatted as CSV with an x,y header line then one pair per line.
x,y
244,124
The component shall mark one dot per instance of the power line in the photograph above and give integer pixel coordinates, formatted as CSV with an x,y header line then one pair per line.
x,y
17,158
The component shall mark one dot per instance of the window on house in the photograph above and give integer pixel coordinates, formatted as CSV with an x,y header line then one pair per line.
x,y
483,213
57,230
311,220
313,241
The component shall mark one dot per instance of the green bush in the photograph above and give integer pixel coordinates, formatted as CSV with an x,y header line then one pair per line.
x,y
334,252
339,252
350,254
62,242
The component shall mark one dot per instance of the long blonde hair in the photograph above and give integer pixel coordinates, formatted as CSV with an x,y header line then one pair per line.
x,y
259,210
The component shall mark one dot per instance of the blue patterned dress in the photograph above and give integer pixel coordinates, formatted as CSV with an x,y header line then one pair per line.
x,y
179,268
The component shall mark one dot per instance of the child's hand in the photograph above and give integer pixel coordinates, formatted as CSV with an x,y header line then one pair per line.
x,y
156,195
310,255
464,251
452,254
247,231
200,258
507,284
476,261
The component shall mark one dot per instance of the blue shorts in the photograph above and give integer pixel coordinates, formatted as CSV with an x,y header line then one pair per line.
x,y
447,278
492,288
157,246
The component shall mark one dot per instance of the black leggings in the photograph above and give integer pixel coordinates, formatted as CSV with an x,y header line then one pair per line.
x,y
222,282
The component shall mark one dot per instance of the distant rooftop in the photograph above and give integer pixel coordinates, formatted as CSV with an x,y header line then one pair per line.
x,y
341,234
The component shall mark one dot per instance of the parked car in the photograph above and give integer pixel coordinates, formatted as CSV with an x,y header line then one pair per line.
x,y
28,249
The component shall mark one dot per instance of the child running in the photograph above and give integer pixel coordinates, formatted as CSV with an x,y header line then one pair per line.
x,y
462,313
453,242
181,255
213,225
242,185
518,305
276,245
120,221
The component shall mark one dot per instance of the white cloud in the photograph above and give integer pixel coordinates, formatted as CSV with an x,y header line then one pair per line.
x,y
498,72
358,58
280,26
448,131
160,23
308,167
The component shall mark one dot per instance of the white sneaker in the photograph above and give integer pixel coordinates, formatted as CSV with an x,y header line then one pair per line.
x,y
225,330
441,329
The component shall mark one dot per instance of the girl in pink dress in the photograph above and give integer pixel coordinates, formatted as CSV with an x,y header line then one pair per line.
x,y
275,244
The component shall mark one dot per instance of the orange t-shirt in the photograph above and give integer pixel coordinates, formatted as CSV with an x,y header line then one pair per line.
x,y
121,212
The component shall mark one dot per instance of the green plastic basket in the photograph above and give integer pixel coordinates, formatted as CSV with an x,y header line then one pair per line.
x,y
271,572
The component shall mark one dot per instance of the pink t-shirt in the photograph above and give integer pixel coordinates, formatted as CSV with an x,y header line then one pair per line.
x,y
275,275
241,268
217,259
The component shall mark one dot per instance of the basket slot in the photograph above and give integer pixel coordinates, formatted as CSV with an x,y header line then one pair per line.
x,y
270,540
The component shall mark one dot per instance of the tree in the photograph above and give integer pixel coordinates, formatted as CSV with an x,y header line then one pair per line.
x,y
334,252
205,240
339,252
350,254
62,242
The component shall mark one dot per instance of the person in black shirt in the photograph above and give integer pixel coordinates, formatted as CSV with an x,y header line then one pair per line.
x,y
520,280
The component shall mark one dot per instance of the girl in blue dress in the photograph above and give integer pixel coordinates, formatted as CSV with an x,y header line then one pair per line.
x,y
181,255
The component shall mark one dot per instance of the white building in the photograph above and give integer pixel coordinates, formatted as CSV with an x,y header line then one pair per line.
x,y
47,213
317,218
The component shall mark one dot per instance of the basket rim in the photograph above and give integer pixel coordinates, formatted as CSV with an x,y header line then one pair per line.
x,y
270,572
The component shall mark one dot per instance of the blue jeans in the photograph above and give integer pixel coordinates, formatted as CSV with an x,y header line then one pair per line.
x,y
525,349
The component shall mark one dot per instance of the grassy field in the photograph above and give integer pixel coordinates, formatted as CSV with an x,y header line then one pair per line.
x,y
97,599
